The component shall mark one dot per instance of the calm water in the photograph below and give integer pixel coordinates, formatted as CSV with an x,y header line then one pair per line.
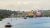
x,y
39,22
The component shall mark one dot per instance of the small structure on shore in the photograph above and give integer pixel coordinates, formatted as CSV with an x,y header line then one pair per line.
x,y
8,25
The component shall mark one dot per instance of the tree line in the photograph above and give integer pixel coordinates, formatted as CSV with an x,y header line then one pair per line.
x,y
7,13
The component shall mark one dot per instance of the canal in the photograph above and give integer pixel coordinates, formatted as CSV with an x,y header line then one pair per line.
x,y
38,22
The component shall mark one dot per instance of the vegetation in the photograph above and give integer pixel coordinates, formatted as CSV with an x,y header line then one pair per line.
x,y
5,14
46,13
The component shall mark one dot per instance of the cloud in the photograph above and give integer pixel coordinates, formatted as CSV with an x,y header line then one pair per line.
x,y
24,4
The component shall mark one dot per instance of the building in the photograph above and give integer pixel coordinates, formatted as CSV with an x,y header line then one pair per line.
x,y
30,14
39,13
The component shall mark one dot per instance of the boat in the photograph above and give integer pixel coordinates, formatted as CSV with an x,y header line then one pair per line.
x,y
8,25
25,17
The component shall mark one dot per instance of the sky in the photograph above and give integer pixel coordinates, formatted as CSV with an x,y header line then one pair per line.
x,y
24,5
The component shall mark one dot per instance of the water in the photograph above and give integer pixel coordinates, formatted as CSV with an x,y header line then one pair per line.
x,y
38,22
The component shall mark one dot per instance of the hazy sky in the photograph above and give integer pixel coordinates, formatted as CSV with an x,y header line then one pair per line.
x,y
24,4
